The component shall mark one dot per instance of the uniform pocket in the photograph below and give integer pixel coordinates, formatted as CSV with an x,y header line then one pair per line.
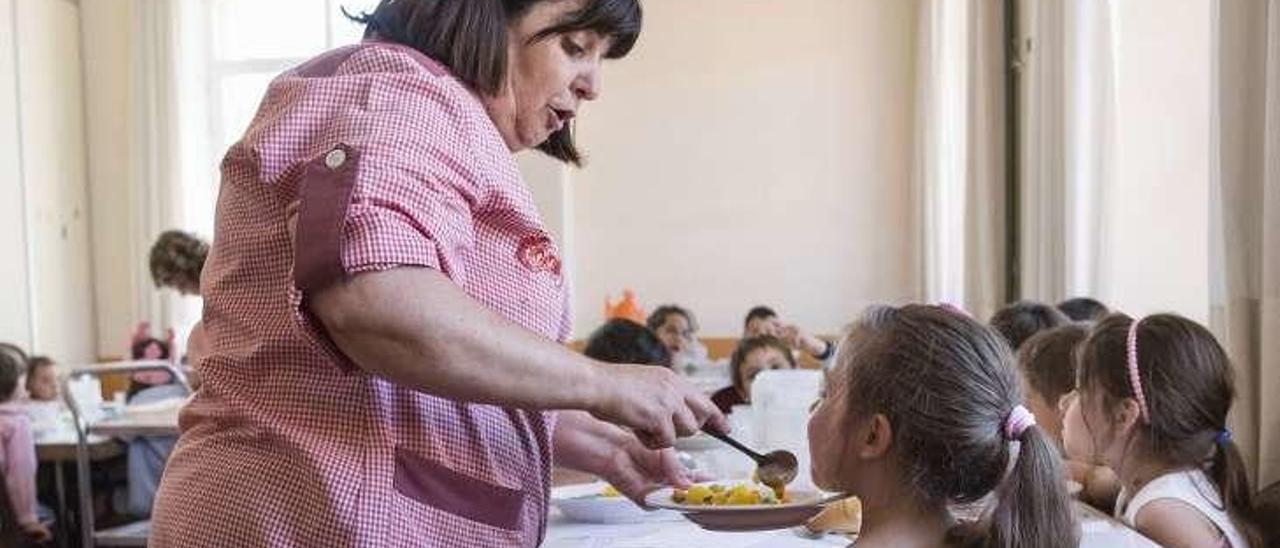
x,y
440,487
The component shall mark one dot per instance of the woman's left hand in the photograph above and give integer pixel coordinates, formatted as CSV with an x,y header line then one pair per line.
x,y
589,445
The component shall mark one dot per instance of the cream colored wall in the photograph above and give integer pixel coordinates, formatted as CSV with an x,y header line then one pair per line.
x,y
751,152
15,320
1156,251
108,65
54,176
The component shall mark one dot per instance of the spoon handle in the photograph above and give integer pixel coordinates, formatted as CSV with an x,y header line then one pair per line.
x,y
735,444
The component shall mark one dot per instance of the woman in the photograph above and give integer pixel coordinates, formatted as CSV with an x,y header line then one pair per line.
x,y
382,303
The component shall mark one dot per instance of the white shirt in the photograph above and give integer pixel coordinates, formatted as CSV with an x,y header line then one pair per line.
x,y
1191,487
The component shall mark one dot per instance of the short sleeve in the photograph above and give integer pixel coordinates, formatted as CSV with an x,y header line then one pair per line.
x,y
405,199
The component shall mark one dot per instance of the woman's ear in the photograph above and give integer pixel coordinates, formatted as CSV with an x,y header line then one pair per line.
x,y
875,438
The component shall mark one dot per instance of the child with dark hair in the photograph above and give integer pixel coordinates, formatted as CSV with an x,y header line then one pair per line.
x,y
752,356
1083,309
1048,365
42,379
762,320
18,449
923,411
1019,321
1152,403
624,341
675,326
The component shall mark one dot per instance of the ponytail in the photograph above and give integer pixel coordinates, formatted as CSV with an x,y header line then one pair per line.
x,y
1228,473
1033,508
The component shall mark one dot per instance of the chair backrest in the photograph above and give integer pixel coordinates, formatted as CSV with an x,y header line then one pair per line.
x,y
10,534
1267,514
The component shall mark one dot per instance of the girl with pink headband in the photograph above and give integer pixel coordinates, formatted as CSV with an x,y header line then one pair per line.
x,y
923,411
1152,403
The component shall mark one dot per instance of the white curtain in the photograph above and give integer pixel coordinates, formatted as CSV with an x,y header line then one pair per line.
x,y
959,172
1245,220
168,158
1068,132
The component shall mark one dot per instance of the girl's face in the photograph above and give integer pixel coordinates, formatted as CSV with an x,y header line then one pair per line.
x,y
1091,434
825,445
676,333
843,446
43,384
1049,415
758,360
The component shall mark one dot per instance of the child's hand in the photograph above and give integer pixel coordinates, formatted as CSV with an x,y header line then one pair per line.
x,y
36,532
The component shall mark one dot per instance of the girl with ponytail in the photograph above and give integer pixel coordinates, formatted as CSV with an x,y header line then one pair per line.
x,y
1152,403
923,412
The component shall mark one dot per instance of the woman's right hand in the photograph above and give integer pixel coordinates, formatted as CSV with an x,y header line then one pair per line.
x,y
654,402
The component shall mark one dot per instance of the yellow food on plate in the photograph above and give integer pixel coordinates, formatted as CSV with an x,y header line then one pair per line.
x,y
741,494
610,491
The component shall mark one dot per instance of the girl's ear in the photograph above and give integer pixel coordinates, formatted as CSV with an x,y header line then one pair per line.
x,y
1126,417
875,438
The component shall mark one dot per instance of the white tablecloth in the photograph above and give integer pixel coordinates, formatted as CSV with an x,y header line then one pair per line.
x,y
1099,531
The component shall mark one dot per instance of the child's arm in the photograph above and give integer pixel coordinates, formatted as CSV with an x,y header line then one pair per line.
x,y
1173,523
20,478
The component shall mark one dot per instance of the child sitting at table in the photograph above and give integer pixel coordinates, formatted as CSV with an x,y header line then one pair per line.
x,y
18,449
752,356
1048,366
923,411
624,341
1017,322
1152,403
42,379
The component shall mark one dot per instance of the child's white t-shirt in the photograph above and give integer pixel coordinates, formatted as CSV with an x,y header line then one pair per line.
x,y
1190,487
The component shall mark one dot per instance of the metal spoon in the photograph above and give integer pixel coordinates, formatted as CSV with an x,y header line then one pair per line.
x,y
775,469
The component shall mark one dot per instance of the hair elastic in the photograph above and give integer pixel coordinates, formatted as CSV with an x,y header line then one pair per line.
x,y
1223,437
1017,422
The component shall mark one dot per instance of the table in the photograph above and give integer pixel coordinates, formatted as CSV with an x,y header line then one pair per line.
x,y
59,449
1098,531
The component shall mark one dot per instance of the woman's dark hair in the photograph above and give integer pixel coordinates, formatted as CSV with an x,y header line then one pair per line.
x,y
177,258
1188,384
1083,309
624,341
659,316
1019,321
13,364
746,347
947,386
470,38
1048,360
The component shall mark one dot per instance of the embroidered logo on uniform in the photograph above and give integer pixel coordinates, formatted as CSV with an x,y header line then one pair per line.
x,y
538,253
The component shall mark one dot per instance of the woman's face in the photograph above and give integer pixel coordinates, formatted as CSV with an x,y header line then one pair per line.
x,y
547,79
760,359
676,333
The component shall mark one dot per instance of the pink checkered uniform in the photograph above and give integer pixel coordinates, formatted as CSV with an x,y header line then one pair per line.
x,y
377,158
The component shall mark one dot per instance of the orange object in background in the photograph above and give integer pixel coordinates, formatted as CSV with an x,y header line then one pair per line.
x,y
627,308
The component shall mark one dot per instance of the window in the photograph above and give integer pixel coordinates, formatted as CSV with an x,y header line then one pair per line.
x,y
249,42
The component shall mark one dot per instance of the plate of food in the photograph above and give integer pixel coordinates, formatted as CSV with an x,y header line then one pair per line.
x,y
741,505
599,502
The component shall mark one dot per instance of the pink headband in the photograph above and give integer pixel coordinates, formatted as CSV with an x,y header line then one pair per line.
x,y
1134,380
1018,421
